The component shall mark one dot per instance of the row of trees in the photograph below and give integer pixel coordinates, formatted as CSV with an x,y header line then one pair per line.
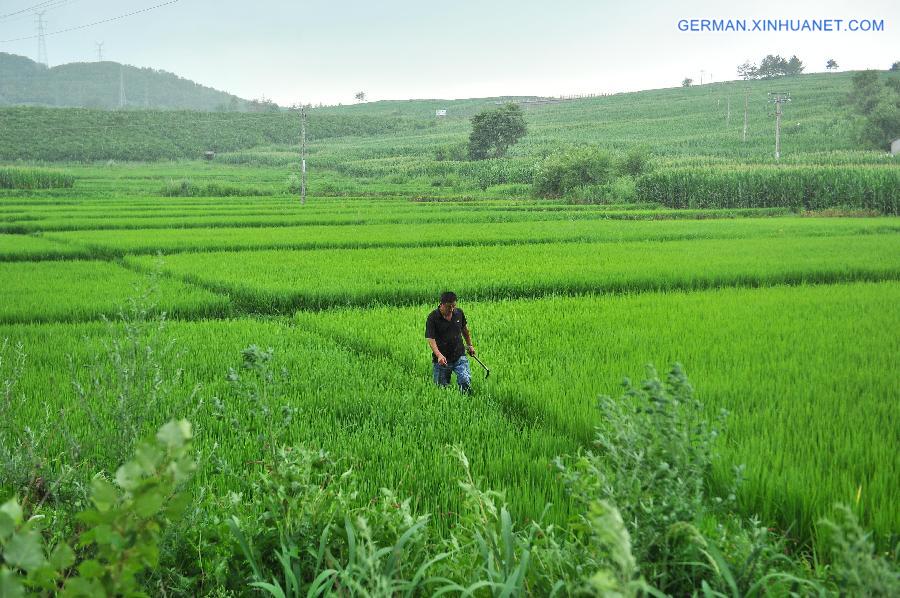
x,y
773,66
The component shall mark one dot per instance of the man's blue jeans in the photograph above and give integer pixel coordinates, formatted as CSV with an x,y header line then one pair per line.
x,y
460,367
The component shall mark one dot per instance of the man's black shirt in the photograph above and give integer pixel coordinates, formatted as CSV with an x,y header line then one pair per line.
x,y
447,334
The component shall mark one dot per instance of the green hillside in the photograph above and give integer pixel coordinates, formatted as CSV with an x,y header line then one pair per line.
x,y
702,121
97,85
402,147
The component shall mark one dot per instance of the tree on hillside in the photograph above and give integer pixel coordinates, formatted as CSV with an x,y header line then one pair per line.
x,y
794,66
747,70
831,65
772,66
896,66
687,82
262,104
493,131
878,106
360,96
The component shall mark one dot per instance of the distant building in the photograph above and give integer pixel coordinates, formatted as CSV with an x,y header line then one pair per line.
x,y
895,147
440,112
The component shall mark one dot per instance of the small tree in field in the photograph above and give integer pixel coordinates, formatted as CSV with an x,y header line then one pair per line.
x,y
687,82
493,131
360,96
831,65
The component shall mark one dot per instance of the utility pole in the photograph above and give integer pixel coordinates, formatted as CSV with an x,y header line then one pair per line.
x,y
728,110
42,40
746,103
302,154
99,51
779,98
701,76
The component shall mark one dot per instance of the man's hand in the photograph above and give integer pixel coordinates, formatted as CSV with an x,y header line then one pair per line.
x,y
470,350
442,360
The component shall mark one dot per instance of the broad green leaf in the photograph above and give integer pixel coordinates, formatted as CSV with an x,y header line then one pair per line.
x,y
149,503
13,509
102,534
62,557
10,586
90,569
79,587
175,433
7,526
178,504
103,494
24,551
128,477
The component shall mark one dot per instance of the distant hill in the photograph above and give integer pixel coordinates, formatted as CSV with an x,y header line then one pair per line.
x,y
97,85
693,126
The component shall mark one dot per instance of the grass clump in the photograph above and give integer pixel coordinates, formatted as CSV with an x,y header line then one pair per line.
x,y
187,188
35,178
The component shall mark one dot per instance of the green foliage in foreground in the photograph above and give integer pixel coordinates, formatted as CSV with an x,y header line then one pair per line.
x,y
123,527
301,536
34,178
798,187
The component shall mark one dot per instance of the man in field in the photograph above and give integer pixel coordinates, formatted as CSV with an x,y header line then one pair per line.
x,y
444,329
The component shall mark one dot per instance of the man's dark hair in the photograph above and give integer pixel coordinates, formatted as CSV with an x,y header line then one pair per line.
x,y
448,297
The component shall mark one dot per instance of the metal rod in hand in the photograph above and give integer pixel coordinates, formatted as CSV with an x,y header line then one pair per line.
x,y
486,368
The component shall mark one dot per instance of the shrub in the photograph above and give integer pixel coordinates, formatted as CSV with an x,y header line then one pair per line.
x,y
187,188
180,188
855,568
451,151
635,162
572,171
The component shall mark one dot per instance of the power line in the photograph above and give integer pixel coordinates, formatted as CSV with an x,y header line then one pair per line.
x,y
46,4
148,9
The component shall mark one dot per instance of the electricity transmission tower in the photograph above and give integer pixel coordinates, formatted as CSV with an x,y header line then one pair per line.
x,y
42,40
779,98
99,51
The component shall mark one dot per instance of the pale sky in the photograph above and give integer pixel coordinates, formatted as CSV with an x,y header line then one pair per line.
x,y
325,51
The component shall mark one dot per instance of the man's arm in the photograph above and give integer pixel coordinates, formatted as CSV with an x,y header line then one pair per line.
x,y
437,352
468,336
